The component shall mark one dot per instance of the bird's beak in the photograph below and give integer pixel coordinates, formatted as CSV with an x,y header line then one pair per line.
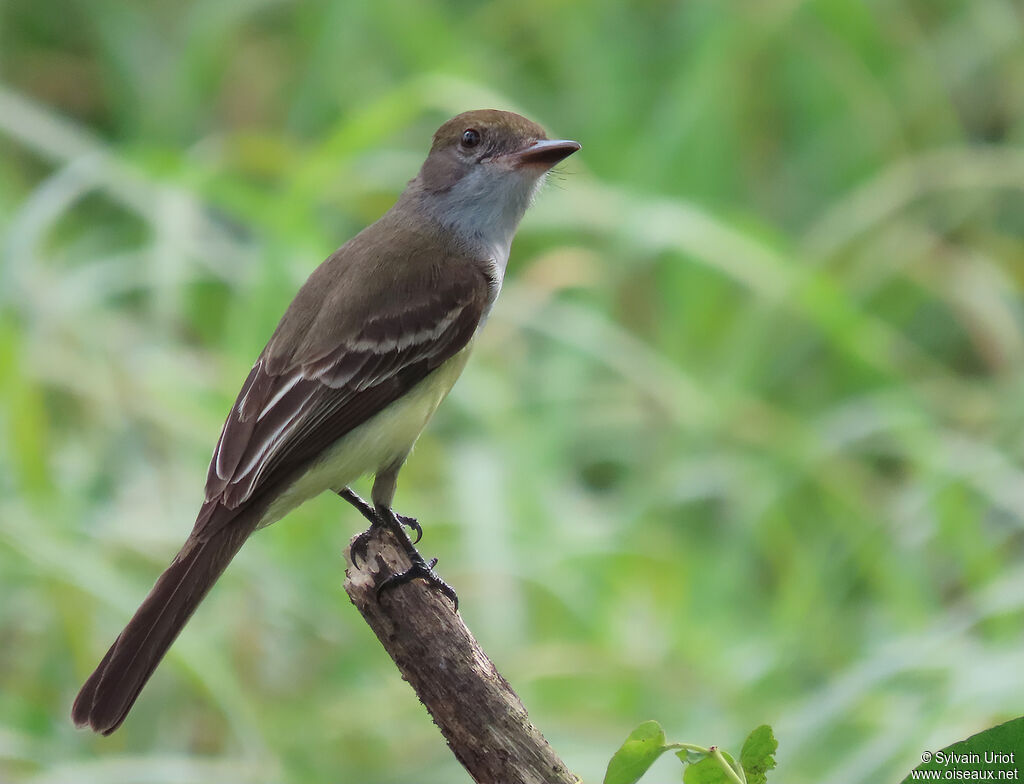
x,y
545,153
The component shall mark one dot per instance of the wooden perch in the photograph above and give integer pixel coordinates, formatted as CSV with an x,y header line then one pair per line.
x,y
482,719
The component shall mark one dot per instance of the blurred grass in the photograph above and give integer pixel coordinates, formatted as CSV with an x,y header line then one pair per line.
x,y
742,442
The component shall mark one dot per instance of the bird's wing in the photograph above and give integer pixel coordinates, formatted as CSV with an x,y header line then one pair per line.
x,y
326,372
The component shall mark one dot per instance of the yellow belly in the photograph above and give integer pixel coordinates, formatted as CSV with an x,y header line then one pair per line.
x,y
376,444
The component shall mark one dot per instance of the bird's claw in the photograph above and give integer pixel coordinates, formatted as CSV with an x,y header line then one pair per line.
x,y
420,568
361,543
357,550
413,525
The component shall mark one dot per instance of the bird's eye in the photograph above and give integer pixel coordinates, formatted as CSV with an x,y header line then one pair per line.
x,y
471,137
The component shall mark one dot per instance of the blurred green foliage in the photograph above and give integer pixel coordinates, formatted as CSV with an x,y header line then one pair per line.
x,y
741,443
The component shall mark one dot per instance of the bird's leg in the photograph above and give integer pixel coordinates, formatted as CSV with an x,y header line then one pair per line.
x,y
366,510
361,506
419,567
360,543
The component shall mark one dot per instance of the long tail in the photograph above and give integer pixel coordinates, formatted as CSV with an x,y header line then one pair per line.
x,y
112,689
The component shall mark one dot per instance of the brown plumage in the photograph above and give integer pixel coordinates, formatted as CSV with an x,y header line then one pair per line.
x,y
372,325
336,392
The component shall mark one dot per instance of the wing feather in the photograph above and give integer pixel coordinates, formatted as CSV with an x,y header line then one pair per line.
x,y
287,413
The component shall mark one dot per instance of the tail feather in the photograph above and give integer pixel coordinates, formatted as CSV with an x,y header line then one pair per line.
x,y
109,693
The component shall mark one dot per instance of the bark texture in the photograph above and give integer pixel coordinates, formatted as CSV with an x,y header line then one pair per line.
x,y
481,718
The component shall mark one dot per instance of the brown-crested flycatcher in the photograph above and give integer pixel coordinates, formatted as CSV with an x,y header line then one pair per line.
x,y
363,356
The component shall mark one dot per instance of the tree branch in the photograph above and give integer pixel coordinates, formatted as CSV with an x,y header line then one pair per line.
x,y
482,719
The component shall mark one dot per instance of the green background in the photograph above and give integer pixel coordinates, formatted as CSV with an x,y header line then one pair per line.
x,y
743,441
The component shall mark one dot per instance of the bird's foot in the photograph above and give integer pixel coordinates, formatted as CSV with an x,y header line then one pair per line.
x,y
357,550
413,525
362,541
419,568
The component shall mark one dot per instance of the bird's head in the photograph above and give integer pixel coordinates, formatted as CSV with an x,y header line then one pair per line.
x,y
484,168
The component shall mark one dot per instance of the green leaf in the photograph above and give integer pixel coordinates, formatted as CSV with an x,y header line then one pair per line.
x,y
758,754
691,757
999,745
708,771
643,746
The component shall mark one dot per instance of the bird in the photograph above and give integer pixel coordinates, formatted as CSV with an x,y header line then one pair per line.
x,y
361,359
